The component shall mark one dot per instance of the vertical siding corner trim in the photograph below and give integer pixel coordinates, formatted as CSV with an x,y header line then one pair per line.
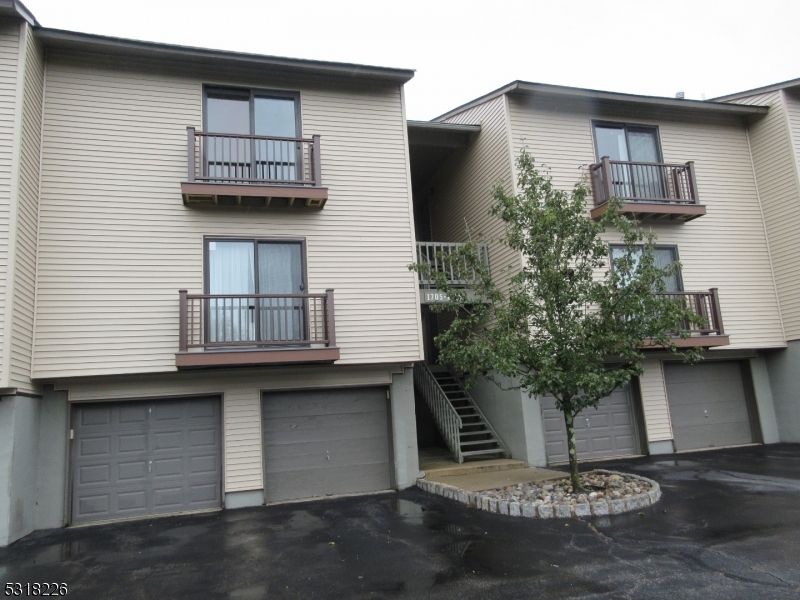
x,y
766,232
5,367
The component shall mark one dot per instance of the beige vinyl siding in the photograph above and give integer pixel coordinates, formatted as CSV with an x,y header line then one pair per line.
x,y
654,401
791,98
241,393
27,214
9,58
727,247
776,171
116,242
464,184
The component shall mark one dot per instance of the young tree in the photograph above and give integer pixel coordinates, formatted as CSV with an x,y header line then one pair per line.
x,y
569,323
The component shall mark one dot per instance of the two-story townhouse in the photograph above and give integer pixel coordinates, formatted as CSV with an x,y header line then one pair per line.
x,y
685,170
218,244
775,145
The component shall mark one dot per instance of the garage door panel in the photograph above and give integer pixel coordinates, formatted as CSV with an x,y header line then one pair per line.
x,y
708,405
604,432
332,428
154,448
325,442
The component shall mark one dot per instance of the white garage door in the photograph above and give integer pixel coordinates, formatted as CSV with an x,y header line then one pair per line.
x,y
605,432
708,405
131,459
325,442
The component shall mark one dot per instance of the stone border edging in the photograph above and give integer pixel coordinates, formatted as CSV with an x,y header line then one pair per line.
x,y
541,510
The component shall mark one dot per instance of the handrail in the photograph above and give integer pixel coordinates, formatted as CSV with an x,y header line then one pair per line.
x,y
703,304
446,417
643,182
255,320
253,159
436,254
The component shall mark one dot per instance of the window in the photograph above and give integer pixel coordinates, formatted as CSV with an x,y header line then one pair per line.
x,y
664,256
635,153
239,269
273,115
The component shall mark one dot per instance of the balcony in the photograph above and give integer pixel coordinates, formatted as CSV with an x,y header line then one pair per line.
x,y
649,191
436,254
226,330
253,171
706,305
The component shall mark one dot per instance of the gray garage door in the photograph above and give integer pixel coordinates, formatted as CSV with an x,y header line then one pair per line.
x,y
707,405
604,432
131,459
325,442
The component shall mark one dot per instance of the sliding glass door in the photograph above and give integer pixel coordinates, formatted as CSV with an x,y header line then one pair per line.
x,y
242,268
638,146
250,113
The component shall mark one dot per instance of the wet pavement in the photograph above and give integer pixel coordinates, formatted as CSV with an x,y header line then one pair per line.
x,y
728,526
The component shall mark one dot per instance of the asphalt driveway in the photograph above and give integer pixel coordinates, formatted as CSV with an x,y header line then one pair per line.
x,y
728,526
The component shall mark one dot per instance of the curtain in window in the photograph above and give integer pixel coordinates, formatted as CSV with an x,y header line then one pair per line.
x,y
231,271
280,271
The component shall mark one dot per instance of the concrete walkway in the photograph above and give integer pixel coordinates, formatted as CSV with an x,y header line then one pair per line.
x,y
477,476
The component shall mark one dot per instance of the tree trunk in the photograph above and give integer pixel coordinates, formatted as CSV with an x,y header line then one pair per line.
x,y
569,418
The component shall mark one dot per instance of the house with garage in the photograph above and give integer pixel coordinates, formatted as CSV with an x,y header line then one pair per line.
x,y
205,297
688,171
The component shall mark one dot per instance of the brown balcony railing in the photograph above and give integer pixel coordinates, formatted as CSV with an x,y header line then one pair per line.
x,y
643,182
231,321
438,256
253,159
703,304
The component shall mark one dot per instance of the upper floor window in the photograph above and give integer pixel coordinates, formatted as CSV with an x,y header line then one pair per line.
x,y
664,256
634,143
271,150
248,112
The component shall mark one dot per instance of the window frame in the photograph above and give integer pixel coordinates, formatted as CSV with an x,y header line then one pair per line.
x,y
675,254
253,94
616,124
255,241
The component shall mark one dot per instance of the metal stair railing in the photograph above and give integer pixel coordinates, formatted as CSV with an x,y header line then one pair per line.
x,y
445,415
500,441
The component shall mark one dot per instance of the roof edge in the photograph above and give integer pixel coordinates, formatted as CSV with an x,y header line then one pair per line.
x,y
61,37
559,90
774,87
454,127
18,8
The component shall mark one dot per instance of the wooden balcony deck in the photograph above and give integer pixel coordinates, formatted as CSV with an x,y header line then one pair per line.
x,y
253,171
649,191
223,330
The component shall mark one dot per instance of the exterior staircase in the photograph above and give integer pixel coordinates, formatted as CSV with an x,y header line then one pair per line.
x,y
467,432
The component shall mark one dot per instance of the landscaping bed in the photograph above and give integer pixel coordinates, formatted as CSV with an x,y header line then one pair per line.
x,y
605,493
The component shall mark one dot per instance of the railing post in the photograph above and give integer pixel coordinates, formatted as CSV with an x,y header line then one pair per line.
x,y
316,167
190,151
608,183
692,181
331,318
183,322
715,309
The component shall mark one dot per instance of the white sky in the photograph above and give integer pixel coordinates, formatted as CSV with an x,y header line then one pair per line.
x,y
462,49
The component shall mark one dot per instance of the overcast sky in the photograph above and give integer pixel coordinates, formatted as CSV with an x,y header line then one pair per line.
x,y
462,49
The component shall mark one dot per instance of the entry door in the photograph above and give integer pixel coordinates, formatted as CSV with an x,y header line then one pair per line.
x,y
627,143
247,267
